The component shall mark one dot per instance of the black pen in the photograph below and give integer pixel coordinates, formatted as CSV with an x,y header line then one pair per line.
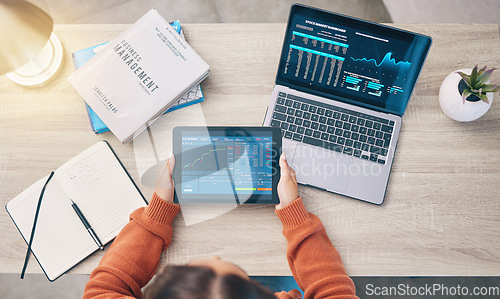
x,y
87,225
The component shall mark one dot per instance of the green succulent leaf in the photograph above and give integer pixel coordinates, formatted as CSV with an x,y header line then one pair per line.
x,y
462,74
465,94
491,88
466,78
477,83
484,98
473,75
483,78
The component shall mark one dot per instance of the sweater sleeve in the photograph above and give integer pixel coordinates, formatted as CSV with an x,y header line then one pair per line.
x,y
314,261
133,258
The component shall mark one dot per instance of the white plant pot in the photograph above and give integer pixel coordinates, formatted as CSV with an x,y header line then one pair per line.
x,y
451,100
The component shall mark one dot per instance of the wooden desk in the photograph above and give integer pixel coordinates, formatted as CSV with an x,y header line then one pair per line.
x,y
441,214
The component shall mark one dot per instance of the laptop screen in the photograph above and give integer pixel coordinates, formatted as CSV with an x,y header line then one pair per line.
x,y
351,60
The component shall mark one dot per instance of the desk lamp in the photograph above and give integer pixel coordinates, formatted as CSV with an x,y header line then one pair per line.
x,y
30,54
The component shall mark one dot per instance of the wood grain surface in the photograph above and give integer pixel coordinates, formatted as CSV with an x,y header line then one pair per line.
x,y
441,215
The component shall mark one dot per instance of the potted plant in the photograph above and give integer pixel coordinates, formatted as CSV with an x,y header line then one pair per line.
x,y
467,94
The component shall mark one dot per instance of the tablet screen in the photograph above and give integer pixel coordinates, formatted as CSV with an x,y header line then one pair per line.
x,y
221,164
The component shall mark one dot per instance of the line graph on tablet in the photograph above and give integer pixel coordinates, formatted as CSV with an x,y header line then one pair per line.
x,y
205,161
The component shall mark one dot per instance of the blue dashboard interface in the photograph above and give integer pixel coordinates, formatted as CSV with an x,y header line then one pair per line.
x,y
226,165
355,60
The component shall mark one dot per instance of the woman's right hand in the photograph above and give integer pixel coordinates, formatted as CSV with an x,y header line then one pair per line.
x,y
164,183
287,186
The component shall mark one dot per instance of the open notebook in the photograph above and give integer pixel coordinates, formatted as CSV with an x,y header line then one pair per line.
x,y
103,190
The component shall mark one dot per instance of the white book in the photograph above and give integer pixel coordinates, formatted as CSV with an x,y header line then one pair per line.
x,y
139,76
106,195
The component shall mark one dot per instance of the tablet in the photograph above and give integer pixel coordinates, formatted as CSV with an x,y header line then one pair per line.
x,y
226,164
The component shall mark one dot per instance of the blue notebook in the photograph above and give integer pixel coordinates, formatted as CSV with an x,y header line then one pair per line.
x,y
195,95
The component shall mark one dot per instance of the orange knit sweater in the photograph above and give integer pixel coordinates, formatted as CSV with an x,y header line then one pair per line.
x,y
132,260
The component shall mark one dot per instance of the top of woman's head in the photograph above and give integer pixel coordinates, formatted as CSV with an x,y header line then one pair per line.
x,y
197,282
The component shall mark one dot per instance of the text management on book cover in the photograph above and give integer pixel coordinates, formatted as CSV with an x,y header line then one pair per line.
x,y
139,75
193,96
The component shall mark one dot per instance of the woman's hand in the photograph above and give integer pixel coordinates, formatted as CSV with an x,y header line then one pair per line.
x,y
287,186
164,183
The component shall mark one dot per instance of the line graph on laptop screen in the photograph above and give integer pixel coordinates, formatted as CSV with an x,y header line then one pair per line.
x,y
226,165
345,57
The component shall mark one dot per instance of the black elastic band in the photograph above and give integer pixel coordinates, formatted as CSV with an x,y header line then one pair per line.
x,y
34,226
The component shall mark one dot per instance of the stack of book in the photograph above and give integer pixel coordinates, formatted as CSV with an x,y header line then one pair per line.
x,y
195,95
145,72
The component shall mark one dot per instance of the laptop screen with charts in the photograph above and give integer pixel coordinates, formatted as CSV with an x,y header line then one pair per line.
x,y
352,60
342,86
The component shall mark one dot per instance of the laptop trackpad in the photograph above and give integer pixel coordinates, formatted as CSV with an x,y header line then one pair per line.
x,y
321,168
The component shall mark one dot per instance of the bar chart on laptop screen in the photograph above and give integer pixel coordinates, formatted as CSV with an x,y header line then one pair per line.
x,y
316,59
332,57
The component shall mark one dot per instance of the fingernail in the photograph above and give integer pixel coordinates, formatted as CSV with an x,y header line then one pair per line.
x,y
283,156
169,158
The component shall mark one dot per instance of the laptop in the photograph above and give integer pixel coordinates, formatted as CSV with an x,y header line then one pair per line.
x,y
342,87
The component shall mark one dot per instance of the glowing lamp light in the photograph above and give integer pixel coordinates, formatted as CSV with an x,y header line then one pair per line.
x,y
30,54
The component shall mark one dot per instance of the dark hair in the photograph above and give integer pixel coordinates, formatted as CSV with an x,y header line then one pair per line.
x,y
197,282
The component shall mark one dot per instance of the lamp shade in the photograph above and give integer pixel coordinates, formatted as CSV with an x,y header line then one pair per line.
x,y
24,31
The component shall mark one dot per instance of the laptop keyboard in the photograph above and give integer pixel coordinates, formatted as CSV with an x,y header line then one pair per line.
x,y
342,130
